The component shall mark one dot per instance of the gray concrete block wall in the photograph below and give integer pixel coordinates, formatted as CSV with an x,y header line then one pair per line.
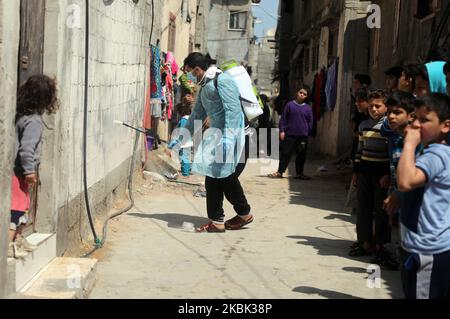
x,y
201,25
265,67
225,44
118,65
9,34
118,60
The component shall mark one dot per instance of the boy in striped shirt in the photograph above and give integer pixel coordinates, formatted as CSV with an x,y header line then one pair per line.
x,y
372,177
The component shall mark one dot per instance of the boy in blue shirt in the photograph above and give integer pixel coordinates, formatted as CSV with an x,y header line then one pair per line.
x,y
425,213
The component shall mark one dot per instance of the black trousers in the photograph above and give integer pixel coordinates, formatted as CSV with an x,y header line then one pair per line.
x,y
291,145
370,207
230,187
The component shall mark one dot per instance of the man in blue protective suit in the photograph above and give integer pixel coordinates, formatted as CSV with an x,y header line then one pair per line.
x,y
220,155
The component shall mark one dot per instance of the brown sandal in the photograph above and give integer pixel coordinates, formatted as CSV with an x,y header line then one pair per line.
x,y
210,228
237,223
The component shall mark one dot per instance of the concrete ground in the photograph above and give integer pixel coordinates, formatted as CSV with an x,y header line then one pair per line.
x,y
297,247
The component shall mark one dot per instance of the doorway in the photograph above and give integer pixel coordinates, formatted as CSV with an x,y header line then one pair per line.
x,y
31,61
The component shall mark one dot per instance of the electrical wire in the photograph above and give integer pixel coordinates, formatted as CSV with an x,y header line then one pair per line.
x,y
276,18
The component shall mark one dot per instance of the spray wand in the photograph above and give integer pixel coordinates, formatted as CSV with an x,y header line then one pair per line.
x,y
129,126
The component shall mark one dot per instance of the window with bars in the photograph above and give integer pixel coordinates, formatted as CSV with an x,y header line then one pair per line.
x,y
238,20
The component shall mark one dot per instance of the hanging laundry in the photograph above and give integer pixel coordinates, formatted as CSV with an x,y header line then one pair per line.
x,y
331,86
169,91
170,59
147,122
323,95
318,98
155,86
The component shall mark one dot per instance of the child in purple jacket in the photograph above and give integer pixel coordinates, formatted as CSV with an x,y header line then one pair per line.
x,y
295,125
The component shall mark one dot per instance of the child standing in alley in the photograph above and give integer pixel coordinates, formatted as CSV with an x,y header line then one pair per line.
x,y
35,97
425,213
400,113
184,110
361,114
295,126
372,177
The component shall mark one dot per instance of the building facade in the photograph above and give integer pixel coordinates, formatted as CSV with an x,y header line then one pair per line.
x,y
365,37
230,31
313,35
408,30
265,65
201,25
179,22
9,23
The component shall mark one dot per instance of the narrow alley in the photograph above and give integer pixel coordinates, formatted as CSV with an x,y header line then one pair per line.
x,y
124,124
297,247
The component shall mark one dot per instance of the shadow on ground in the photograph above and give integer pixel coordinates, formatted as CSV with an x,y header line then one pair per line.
x,y
357,270
173,220
328,246
329,294
344,217
322,192
340,247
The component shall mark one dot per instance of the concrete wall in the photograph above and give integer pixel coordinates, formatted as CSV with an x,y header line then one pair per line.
x,y
225,44
334,130
201,32
184,30
119,34
265,67
287,31
9,35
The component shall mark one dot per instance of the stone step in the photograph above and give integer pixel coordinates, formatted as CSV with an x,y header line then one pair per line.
x,y
63,278
169,165
21,271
